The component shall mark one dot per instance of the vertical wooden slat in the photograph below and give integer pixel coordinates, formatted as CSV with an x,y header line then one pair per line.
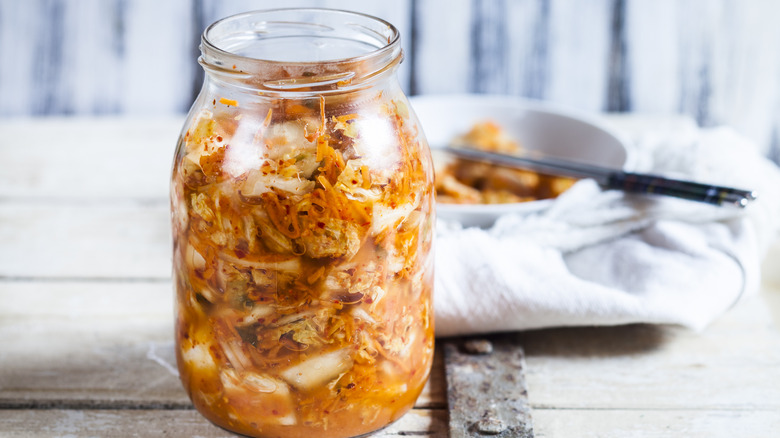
x,y
716,60
488,47
618,96
554,50
442,46
697,51
746,92
528,63
158,64
91,47
652,39
578,53
16,49
47,94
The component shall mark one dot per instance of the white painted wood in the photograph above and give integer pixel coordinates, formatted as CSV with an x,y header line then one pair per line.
x,y
652,33
81,328
90,240
579,42
87,159
101,344
442,47
733,365
91,48
170,423
159,63
715,60
19,21
616,423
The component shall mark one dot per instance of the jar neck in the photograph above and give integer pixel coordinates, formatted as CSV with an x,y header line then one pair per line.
x,y
287,51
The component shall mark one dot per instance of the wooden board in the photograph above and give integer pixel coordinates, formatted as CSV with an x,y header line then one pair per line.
x,y
174,423
112,343
486,390
86,323
716,60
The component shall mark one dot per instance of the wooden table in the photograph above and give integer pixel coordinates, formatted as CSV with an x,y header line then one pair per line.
x,y
86,346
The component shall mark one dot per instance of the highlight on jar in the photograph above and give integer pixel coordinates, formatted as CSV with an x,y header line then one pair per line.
x,y
303,221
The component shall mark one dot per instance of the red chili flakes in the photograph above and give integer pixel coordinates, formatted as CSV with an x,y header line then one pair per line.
x,y
219,138
321,225
350,386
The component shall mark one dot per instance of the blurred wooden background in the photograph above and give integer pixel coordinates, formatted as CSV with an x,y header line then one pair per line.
x,y
716,60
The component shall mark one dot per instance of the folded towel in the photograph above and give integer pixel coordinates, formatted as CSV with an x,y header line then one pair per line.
x,y
599,257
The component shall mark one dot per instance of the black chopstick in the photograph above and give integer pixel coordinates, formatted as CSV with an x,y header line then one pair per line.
x,y
616,179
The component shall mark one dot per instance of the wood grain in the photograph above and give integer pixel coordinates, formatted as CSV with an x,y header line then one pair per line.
x,y
643,423
171,423
86,317
112,343
106,159
715,60
124,240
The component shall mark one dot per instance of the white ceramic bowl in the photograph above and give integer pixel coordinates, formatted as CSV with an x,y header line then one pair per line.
x,y
540,127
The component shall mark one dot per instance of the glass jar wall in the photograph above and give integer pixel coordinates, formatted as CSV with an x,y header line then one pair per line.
x,y
302,211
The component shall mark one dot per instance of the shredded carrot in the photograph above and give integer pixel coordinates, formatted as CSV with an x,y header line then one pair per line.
x,y
228,102
316,275
325,183
366,176
267,120
286,223
322,115
321,144
345,118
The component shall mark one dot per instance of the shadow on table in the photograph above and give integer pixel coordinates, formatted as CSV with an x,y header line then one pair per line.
x,y
585,341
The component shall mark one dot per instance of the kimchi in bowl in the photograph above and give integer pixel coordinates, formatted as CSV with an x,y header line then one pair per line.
x,y
476,194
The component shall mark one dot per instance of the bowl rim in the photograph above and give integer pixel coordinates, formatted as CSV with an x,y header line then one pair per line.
x,y
524,104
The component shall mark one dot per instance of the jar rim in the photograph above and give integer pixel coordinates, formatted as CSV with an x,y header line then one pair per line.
x,y
235,54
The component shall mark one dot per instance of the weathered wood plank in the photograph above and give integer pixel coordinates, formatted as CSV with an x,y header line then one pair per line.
x,y
88,344
96,57
159,65
612,423
714,60
486,391
93,158
169,423
102,345
92,240
731,365
689,423
106,337
527,48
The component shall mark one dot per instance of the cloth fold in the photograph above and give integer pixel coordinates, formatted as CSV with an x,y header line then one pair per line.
x,y
599,257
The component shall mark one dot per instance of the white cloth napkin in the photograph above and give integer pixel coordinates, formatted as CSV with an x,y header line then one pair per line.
x,y
604,257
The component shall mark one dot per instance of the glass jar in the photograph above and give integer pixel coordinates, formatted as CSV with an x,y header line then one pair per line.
x,y
302,212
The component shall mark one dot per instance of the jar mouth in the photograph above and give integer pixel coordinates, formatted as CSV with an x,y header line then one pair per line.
x,y
299,48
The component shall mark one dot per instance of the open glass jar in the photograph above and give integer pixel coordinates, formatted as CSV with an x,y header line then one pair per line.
x,y
302,212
